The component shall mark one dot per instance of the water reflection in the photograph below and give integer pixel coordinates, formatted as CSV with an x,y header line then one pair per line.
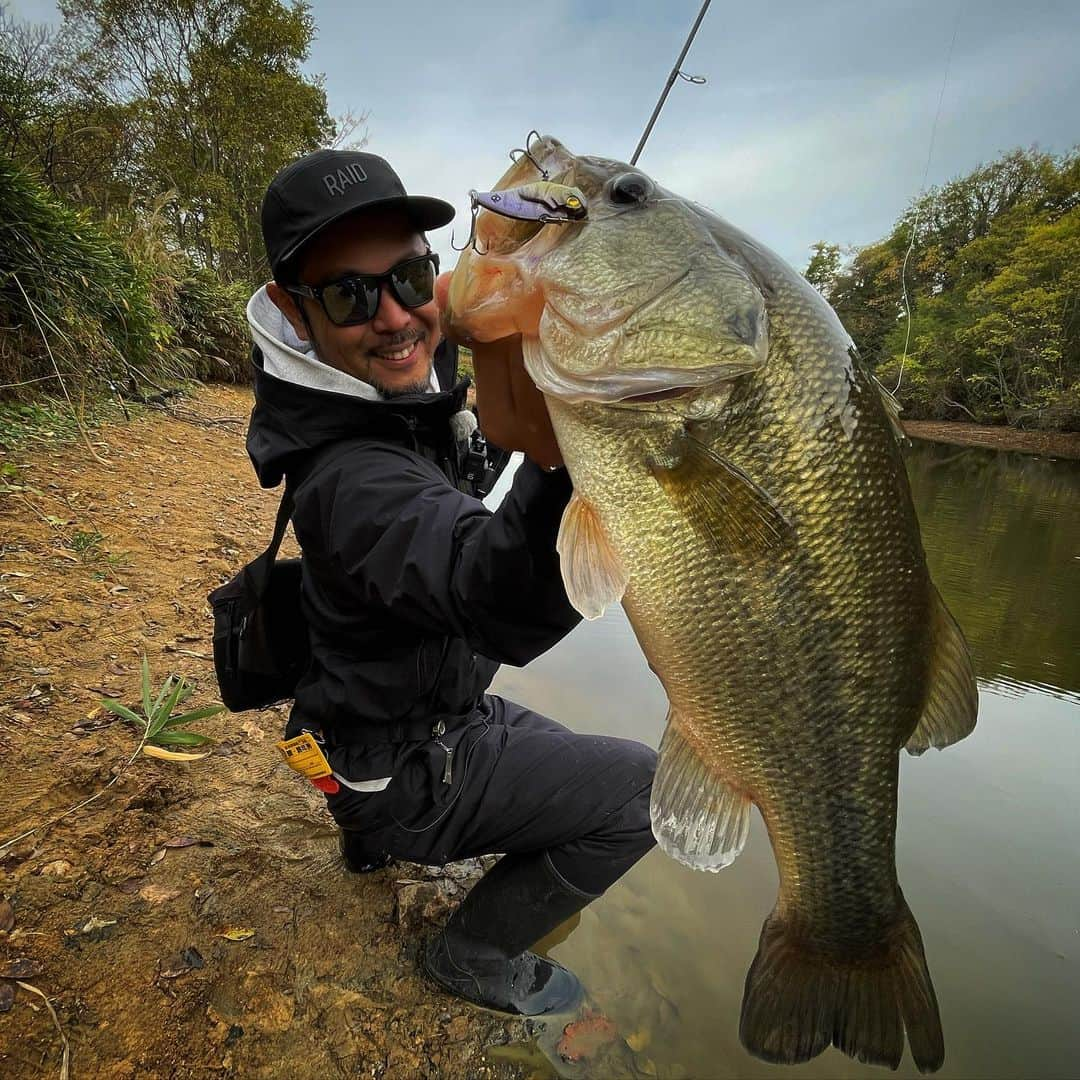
x,y
1002,535
986,843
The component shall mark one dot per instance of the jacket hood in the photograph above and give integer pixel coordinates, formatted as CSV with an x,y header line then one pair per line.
x,y
302,404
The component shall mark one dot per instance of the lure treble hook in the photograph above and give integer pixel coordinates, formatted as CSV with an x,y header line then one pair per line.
x,y
471,241
527,151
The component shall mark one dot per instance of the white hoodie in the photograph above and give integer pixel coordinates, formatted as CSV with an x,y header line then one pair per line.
x,y
288,358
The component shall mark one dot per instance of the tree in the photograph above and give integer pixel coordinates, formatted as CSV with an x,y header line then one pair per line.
x,y
824,267
216,103
70,139
990,328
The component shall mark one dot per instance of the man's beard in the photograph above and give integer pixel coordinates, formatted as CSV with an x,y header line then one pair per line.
x,y
420,386
391,392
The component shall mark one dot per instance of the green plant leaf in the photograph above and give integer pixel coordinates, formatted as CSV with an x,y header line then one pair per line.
x,y
195,714
166,689
122,710
181,738
147,704
165,710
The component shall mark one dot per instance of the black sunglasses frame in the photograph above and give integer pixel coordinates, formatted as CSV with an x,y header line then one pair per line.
x,y
368,281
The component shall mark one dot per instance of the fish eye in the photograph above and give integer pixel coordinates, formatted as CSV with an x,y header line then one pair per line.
x,y
631,187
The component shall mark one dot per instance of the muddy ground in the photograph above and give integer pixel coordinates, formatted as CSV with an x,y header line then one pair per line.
x,y
131,938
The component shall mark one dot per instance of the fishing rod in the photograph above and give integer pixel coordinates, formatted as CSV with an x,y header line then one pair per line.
x,y
676,73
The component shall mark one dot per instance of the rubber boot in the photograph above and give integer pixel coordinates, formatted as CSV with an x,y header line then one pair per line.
x,y
482,954
358,859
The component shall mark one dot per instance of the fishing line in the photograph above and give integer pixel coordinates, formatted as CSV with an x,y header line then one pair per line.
x,y
918,208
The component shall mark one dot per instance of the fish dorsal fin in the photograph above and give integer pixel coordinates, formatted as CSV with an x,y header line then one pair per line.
x,y
591,569
698,818
733,512
952,700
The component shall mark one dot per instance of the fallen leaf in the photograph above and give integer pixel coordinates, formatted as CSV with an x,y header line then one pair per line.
x,y
158,894
171,755
237,933
7,916
582,1039
7,996
188,841
118,589
22,968
95,928
189,959
193,957
157,856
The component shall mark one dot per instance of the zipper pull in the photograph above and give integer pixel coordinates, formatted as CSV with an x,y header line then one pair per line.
x,y
447,775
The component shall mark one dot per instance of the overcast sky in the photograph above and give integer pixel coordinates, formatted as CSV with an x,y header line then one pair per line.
x,y
814,124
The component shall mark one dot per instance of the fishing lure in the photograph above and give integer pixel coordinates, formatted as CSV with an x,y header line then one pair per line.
x,y
543,201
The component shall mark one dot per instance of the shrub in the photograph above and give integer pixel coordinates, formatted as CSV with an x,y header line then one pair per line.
x,y
103,304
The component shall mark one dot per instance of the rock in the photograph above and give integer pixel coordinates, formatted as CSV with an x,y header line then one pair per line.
x,y
57,868
425,901
458,1029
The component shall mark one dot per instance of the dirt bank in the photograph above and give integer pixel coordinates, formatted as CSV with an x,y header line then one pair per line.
x,y
122,932
1060,444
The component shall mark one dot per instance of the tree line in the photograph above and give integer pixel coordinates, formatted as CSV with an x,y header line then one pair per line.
x,y
137,138
988,266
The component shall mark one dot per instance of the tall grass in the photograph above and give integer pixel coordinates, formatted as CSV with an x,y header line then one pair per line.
x,y
104,304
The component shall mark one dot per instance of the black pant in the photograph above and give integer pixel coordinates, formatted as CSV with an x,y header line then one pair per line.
x,y
520,782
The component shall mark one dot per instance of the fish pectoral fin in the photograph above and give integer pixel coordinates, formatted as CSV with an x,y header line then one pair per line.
x,y
952,700
698,818
893,408
592,571
733,512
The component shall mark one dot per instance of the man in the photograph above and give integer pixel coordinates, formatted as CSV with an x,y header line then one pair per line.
x,y
414,592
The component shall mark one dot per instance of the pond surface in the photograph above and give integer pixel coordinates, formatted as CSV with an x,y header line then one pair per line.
x,y
988,845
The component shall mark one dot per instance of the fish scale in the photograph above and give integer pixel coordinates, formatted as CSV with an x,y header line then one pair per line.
x,y
737,482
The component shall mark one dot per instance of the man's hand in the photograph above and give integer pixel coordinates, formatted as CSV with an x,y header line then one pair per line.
x,y
512,411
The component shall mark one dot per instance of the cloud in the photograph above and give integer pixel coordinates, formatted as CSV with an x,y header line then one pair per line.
x,y
814,124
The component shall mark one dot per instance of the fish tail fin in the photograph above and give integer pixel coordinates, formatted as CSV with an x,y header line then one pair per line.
x,y
797,1002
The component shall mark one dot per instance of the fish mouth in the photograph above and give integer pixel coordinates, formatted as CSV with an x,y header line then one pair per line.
x,y
659,395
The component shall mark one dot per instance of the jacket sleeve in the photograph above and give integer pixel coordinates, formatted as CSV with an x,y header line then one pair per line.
x,y
404,539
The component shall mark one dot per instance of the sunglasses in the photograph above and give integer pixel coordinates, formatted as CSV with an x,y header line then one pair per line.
x,y
353,300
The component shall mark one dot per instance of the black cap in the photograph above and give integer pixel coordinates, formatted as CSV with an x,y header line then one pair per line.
x,y
318,189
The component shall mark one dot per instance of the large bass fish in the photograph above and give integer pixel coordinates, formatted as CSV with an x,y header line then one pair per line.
x,y
738,485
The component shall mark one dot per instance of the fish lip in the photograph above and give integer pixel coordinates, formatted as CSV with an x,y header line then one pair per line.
x,y
657,396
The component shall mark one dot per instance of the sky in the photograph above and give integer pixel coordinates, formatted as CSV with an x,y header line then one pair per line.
x,y
815,122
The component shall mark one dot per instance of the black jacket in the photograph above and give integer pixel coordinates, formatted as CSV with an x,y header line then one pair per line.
x,y
414,592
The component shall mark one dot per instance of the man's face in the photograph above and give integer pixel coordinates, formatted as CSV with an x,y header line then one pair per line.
x,y
394,350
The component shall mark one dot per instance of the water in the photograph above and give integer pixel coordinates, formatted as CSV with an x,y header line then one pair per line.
x,y
988,845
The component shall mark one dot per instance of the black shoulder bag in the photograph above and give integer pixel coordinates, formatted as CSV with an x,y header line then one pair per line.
x,y
261,646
